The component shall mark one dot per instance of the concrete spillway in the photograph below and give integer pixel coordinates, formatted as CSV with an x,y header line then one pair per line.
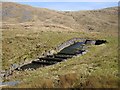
x,y
68,50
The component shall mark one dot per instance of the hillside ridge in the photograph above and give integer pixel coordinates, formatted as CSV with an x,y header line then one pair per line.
x,y
90,20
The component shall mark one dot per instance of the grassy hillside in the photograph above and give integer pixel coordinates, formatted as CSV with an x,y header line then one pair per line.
x,y
20,45
96,20
96,69
29,31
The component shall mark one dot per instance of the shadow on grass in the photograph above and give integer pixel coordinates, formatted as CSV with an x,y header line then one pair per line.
x,y
31,66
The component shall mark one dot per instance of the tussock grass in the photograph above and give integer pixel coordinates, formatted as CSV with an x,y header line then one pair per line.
x,y
48,28
99,65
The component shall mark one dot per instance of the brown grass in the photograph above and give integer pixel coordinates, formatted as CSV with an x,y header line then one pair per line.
x,y
67,80
32,32
96,20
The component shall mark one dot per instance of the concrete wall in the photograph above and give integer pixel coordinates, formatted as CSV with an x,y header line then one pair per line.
x,y
68,43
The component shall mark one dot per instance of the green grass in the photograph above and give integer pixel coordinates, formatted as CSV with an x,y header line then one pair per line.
x,y
45,30
98,68
20,45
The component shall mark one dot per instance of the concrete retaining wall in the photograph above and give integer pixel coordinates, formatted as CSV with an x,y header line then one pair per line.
x,y
68,43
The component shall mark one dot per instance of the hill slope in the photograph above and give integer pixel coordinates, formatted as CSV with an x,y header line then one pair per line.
x,y
94,20
29,31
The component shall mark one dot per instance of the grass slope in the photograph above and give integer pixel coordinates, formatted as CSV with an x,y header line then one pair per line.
x,y
96,20
98,68
35,30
